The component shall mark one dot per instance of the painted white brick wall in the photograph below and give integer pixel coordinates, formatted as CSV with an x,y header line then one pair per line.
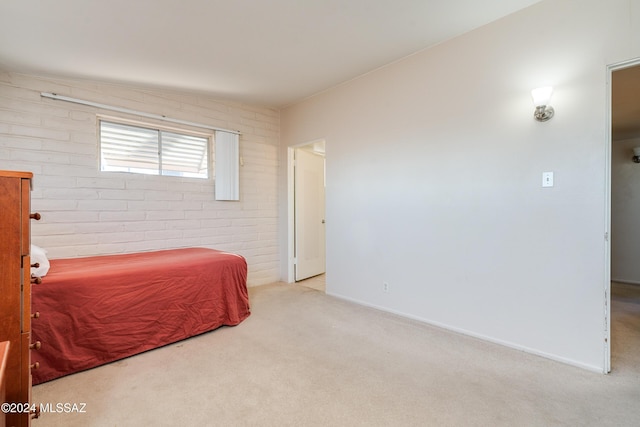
x,y
87,212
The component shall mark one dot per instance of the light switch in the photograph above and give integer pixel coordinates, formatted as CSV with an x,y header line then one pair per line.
x,y
547,179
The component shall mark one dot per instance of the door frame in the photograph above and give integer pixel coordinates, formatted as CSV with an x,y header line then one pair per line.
x,y
607,252
291,206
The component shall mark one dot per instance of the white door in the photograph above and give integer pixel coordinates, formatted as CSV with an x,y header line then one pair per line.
x,y
309,214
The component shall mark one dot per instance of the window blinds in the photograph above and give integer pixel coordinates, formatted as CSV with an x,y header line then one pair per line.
x,y
128,148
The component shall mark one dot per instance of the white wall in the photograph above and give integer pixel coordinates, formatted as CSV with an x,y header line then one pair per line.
x,y
625,212
87,212
434,168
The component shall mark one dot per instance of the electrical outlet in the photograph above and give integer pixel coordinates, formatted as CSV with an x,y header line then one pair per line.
x,y
385,287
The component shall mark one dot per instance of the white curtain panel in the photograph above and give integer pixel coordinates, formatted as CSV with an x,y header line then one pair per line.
x,y
227,166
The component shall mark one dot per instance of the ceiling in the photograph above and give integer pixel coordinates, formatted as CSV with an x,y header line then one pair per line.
x,y
273,53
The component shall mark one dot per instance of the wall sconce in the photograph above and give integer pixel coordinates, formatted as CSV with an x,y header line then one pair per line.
x,y
541,97
636,155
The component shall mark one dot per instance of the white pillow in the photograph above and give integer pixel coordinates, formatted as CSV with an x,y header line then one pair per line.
x,y
39,255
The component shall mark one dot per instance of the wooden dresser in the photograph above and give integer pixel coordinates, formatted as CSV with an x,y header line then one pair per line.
x,y
4,355
15,289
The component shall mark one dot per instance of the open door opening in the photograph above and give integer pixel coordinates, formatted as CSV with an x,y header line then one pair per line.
x,y
624,287
309,211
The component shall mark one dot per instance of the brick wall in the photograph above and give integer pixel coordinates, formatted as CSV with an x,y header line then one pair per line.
x,y
88,212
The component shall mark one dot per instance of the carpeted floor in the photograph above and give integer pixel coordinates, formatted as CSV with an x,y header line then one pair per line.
x,y
306,359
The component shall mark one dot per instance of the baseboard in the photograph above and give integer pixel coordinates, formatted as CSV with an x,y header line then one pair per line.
x,y
625,281
567,361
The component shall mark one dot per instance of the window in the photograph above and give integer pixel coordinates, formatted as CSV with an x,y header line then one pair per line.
x,y
154,151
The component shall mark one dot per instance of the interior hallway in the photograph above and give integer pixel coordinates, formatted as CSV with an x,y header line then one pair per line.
x,y
625,329
317,282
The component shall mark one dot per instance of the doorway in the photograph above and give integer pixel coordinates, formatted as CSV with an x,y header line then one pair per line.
x,y
623,287
308,191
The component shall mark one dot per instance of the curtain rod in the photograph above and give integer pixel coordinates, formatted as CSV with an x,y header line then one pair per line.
x,y
134,112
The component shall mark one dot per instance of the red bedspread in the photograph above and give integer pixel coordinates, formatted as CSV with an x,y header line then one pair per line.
x,y
99,309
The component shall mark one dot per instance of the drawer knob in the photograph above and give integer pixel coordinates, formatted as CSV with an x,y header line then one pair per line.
x,y
36,280
36,265
35,315
35,365
35,216
36,345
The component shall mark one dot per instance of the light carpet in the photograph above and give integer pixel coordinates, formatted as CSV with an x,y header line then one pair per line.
x,y
307,359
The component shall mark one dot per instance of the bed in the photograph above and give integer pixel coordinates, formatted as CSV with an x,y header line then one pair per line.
x,y
96,310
